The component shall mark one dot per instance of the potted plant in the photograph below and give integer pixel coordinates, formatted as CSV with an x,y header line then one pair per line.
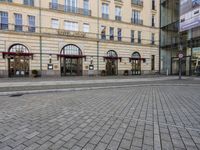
x,y
126,72
34,73
103,72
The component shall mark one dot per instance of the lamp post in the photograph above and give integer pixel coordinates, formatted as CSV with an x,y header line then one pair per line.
x,y
180,56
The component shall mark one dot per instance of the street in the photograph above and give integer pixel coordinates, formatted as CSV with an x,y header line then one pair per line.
x,y
144,117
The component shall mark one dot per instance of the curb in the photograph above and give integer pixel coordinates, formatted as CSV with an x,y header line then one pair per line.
x,y
20,93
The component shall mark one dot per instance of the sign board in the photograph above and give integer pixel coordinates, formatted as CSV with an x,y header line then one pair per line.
x,y
180,55
50,67
189,14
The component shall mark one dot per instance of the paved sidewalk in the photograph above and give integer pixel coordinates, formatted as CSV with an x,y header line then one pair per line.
x,y
133,118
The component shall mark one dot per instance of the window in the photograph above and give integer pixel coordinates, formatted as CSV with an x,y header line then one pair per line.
x,y
152,62
139,37
103,32
132,36
54,4
72,26
136,17
29,2
86,7
86,27
153,5
3,20
71,6
31,22
152,38
105,11
119,34
18,22
118,13
153,21
111,33
55,23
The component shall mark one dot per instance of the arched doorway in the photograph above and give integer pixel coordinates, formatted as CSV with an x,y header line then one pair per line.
x,y
18,61
111,63
136,63
71,60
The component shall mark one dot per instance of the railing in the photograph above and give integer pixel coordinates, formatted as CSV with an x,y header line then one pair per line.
x,y
105,16
118,18
137,2
136,21
70,9
29,30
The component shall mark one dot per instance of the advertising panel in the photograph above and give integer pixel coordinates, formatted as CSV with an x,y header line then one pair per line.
x,y
189,14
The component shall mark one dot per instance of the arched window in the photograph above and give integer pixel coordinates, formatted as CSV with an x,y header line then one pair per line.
x,y
136,55
18,48
71,50
112,53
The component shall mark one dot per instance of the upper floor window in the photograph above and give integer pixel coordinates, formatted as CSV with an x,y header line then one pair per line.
x,y
31,22
111,33
139,37
72,26
153,5
103,32
71,6
55,23
86,27
105,11
153,21
119,34
3,20
86,7
118,13
152,38
132,36
54,4
18,22
136,17
29,2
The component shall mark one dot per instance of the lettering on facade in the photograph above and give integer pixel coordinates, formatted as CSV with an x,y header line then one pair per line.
x,y
73,34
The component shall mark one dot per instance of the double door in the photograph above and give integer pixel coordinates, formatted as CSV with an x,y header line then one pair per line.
x,y
136,67
18,66
71,66
111,67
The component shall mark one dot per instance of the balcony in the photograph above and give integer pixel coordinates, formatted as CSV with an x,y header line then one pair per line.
x,y
136,21
137,3
118,18
70,9
105,16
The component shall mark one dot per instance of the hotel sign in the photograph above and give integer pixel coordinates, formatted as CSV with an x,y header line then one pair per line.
x,y
72,34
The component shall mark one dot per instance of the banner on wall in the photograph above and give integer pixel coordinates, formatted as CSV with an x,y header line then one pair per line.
x,y
189,14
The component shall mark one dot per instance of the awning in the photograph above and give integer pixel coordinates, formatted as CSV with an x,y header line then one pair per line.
x,y
112,58
132,58
16,54
71,56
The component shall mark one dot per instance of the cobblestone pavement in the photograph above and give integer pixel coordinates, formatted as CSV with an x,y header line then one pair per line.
x,y
154,117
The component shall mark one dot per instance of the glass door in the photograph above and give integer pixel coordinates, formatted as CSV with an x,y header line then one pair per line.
x,y
136,67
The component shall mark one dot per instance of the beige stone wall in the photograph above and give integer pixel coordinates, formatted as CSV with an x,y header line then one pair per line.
x,y
52,43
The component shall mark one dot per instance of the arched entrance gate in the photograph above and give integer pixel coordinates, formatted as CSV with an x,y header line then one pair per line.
x,y
111,63
18,60
136,63
71,60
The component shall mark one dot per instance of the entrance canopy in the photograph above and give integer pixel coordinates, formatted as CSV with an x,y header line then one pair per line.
x,y
112,55
17,50
71,51
136,56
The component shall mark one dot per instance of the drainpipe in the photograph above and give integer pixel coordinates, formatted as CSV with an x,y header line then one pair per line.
x,y
40,31
97,37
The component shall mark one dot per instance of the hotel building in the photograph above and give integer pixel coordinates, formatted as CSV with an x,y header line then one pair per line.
x,y
79,37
